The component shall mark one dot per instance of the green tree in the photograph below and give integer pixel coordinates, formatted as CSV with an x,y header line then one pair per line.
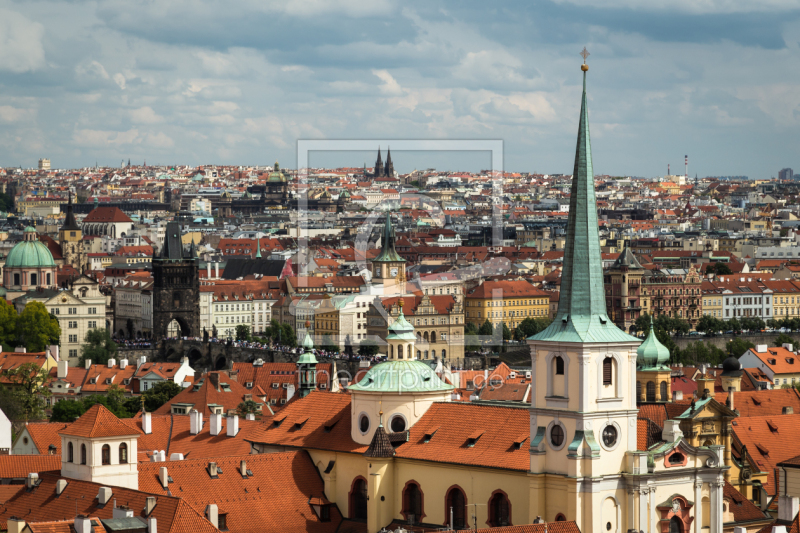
x,y
8,324
288,336
36,328
736,347
734,324
6,202
709,324
506,333
67,411
242,332
783,338
29,386
248,407
99,347
486,329
471,342
328,345
643,323
159,394
368,348
720,269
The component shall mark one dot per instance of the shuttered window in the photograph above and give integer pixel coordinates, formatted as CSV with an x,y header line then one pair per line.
x,y
607,370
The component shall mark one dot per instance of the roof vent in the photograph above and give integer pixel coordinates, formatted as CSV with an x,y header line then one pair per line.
x,y
788,410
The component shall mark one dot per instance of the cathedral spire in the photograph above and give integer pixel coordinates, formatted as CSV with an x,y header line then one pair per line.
x,y
388,251
388,170
582,304
258,248
378,165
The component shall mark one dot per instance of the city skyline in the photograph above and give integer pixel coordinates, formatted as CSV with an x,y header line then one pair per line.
x,y
106,82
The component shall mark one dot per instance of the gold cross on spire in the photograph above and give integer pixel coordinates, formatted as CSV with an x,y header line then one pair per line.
x,y
584,54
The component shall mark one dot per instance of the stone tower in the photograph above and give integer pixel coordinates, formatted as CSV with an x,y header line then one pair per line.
x,y
70,237
389,268
378,172
176,287
388,170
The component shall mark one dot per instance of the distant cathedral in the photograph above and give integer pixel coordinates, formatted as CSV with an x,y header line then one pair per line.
x,y
381,170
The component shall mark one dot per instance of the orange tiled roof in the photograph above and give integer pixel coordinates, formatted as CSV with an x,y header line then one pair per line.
x,y
769,440
207,394
249,501
62,526
19,466
98,421
768,402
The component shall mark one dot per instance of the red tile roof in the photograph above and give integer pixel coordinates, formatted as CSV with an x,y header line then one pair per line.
x,y
769,440
63,526
275,497
98,421
207,394
743,509
19,466
106,214
763,402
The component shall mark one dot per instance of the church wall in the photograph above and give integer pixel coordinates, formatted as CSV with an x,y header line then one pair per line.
x,y
114,474
391,404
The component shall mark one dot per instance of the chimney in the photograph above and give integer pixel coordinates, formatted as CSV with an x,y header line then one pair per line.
x,y
195,422
243,468
61,484
788,346
290,392
123,364
16,525
778,529
213,377
162,456
149,505
788,410
677,395
112,362
208,266
176,457
122,512
216,270
20,349
142,360
163,477
83,524
672,431
788,507
212,514
250,416
31,480
233,425
212,469
216,423
761,348
88,364
63,369
103,495
152,525
730,398
147,423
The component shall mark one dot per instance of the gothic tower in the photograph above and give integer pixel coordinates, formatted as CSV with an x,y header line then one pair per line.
x,y
389,268
70,237
378,165
389,168
176,287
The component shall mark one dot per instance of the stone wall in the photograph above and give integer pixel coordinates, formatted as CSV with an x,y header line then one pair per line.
x,y
721,340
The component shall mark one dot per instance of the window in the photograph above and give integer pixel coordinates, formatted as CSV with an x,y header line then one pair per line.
x,y
363,423
106,454
398,424
559,366
499,510
664,395
676,458
358,499
73,324
456,504
123,453
70,457
73,338
83,454
607,370
73,353
557,436
610,436
222,520
412,503
651,391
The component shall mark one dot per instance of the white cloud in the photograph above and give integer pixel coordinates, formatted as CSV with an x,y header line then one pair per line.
x,y
103,138
21,47
92,69
119,79
694,6
390,86
145,115
15,114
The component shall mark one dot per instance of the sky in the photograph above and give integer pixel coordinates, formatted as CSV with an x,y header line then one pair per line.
x,y
196,82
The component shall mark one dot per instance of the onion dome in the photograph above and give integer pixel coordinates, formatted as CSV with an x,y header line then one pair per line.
x,y
651,354
731,367
401,329
308,351
403,376
30,253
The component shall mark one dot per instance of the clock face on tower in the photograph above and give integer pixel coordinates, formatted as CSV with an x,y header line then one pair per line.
x,y
393,272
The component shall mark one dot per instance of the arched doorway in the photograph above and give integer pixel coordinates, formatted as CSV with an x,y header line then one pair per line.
x,y
358,499
194,356
173,329
675,525
412,503
455,507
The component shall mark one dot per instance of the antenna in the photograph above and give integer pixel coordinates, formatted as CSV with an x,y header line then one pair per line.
x,y
686,163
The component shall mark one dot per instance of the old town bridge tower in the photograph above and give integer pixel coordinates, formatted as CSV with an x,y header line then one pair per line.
x,y
176,287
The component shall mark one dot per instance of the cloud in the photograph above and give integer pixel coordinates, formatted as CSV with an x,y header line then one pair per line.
x,y
21,47
145,115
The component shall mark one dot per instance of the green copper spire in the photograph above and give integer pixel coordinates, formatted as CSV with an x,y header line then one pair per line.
x,y
582,304
388,252
258,248
651,354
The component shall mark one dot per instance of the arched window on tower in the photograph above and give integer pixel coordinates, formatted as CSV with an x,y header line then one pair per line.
x,y
651,391
106,455
123,453
358,499
70,455
559,363
608,370
664,394
499,510
412,503
456,504
83,454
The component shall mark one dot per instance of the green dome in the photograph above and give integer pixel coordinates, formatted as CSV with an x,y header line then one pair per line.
x,y
308,355
30,254
401,376
651,354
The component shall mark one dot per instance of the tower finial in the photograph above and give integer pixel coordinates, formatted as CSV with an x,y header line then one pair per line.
x,y
584,54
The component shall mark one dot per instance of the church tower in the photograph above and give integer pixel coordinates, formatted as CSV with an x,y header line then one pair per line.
x,y
389,168
70,237
583,409
388,268
378,172
176,287
307,368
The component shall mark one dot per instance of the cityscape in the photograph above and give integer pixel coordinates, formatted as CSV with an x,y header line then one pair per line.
x,y
468,328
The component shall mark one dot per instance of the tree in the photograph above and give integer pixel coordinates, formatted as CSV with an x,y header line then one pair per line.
x,y
734,324
8,324
159,394
506,332
288,336
67,411
248,407
643,322
328,345
752,323
242,332
368,348
720,269
709,324
99,347
36,328
783,338
6,202
486,329
736,347
28,382
471,342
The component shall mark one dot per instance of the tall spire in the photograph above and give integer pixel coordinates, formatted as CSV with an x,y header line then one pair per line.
x,y
582,304
388,251
258,248
378,165
69,221
388,169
